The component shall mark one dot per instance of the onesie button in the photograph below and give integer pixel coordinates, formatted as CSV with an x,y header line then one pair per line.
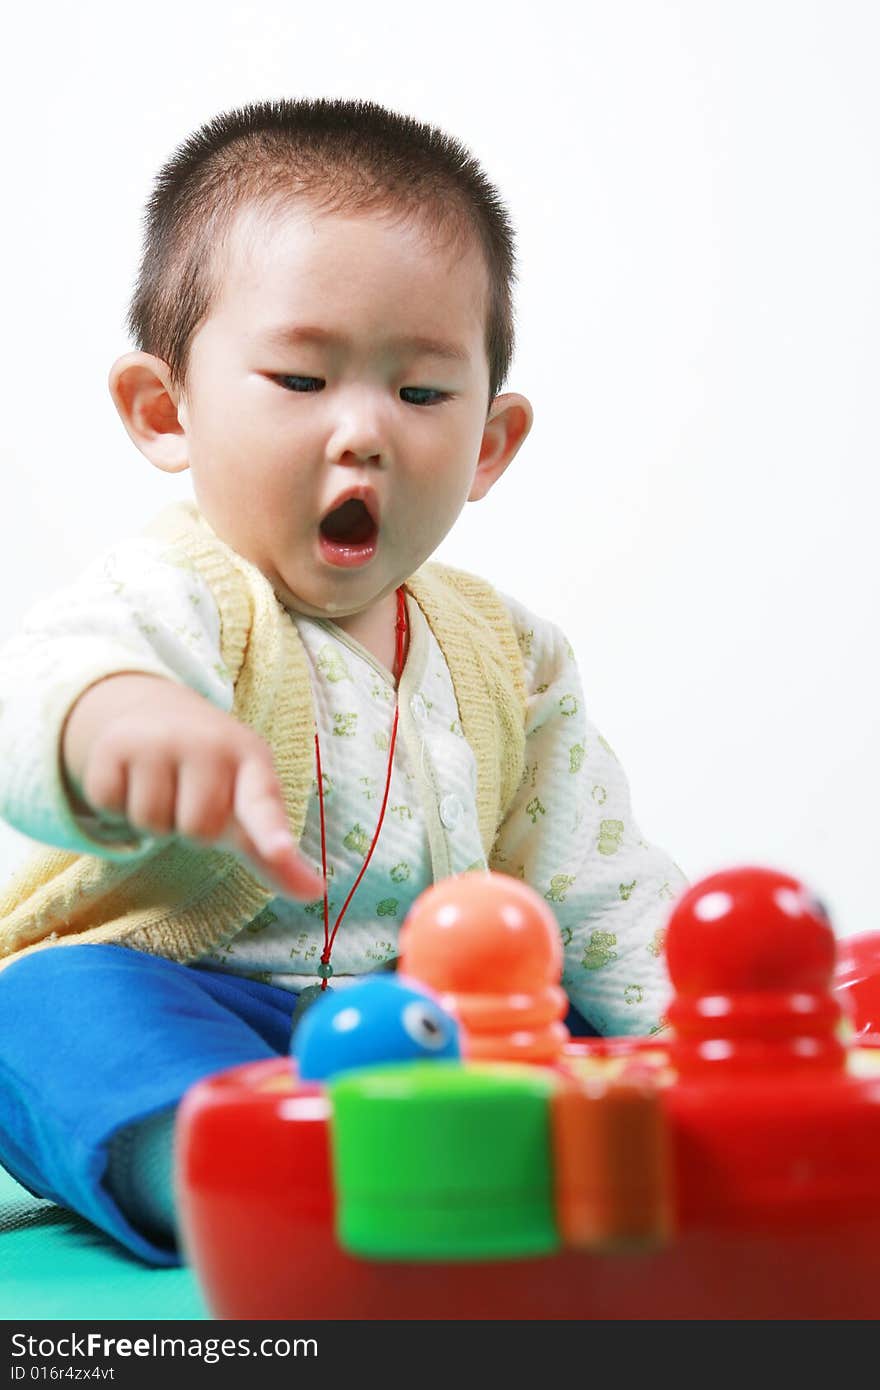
x,y
450,811
419,708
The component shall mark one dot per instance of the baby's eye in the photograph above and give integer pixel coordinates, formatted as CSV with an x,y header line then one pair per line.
x,y
313,383
425,391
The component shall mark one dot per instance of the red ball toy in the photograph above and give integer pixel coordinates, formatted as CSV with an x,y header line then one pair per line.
x,y
750,954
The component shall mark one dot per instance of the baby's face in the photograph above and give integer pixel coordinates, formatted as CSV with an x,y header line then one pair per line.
x,y
280,429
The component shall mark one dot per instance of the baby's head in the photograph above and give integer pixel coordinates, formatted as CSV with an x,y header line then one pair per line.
x,y
371,231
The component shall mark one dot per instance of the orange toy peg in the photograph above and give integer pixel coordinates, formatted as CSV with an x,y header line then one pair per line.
x,y
613,1158
489,946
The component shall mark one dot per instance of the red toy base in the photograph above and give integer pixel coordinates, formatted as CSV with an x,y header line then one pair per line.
x,y
255,1195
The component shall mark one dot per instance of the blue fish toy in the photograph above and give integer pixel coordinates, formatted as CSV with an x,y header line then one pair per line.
x,y
383,1019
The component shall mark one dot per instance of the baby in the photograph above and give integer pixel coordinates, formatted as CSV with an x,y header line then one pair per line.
x,y
253,733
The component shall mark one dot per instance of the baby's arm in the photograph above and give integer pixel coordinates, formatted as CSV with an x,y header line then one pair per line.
x,y
571,834
115,722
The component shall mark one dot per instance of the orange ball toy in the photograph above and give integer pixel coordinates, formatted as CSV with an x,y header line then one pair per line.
x,y
489,946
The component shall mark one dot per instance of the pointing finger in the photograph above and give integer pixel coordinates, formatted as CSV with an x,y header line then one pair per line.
x,y
259,810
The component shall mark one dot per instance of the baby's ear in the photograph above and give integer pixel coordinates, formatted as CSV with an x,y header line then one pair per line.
x,y
509,421
140,385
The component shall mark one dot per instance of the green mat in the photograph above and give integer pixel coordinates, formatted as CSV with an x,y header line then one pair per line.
x,y
55,1265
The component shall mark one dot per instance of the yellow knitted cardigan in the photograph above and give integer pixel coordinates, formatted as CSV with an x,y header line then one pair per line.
x,y
182,900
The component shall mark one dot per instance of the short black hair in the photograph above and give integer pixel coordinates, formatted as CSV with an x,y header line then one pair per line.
x,y
339,156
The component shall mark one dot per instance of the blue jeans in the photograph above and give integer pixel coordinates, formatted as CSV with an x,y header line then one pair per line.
x,y
95,1038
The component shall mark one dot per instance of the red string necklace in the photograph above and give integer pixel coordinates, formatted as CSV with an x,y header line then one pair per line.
x,y
325,969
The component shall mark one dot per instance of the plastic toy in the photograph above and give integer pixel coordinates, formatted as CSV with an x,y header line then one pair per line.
x,y
467,934
857,982
729,1168
383,1019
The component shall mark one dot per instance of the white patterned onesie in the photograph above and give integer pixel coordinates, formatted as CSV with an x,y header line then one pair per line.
x,y
570,833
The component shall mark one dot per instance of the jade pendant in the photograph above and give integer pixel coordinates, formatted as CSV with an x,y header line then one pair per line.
x,y
309,996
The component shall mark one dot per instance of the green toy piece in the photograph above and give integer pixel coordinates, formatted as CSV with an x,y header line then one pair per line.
x,y
437,1161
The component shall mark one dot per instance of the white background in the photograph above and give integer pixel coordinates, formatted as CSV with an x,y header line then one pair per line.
x,y
697,198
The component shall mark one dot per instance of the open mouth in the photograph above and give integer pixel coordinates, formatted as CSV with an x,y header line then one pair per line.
x,y
349,534
350,524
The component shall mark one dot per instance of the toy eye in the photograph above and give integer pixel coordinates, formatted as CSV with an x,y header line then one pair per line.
x,y
425,1025
796,901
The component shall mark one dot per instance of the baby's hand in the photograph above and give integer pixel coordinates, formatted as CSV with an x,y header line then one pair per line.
x,y
158,754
